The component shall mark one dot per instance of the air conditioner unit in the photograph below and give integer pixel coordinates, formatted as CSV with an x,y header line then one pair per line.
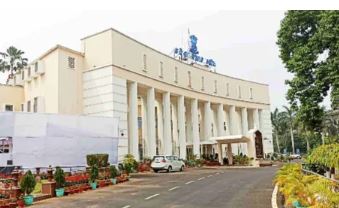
x,y
41,67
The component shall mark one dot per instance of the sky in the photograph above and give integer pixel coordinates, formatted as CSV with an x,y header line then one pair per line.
x,y
243,43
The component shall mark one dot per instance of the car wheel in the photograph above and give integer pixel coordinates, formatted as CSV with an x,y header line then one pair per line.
x,y
169,169
182,168
155,171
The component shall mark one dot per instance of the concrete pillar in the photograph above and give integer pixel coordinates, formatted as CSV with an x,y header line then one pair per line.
x,y
195,127
144,127
233,120
229,154
244,121
219,149
166,102
207,121
181,127
151,123
160,130
133,120
256,118
221,120
175,139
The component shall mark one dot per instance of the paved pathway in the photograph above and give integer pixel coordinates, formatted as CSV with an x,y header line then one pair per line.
x,y
194,188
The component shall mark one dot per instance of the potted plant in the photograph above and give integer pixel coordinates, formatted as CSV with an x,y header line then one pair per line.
x,y
94,172
59,178
27,185
113,174
130,164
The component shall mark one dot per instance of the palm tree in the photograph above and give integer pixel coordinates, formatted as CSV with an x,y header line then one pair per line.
x,y
290,117
12,61
275,123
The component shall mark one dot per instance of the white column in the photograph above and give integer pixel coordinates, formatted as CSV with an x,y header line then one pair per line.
x,y
166,102
256,118
221,120
151,122
195,127
144,127
261,119
207,121
229,154
233,120
175,139
244,122
219,147
133,120
159,137
181,127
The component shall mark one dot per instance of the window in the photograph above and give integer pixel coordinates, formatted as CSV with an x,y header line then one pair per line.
x,y
215,86
251,93
202,83
145,62
36,66
35,105
189,79
22,107
71,62
227,89
239,91
225,127
22,74
29,106
161,70
29,71
176,74
8,107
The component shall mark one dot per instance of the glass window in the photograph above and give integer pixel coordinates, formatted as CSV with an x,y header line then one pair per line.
x,y
161,70
251,93
145,62
8,107
227,89
29,106
202,83
176,74
71,62
189,79
35,105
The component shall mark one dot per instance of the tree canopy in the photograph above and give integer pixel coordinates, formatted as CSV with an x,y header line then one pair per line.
x,y
12,60
309,48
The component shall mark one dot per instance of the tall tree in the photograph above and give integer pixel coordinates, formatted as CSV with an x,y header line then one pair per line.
x,y
290,117
275,123
12,61
309,48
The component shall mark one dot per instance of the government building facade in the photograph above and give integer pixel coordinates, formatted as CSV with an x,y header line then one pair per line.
x,y
164,105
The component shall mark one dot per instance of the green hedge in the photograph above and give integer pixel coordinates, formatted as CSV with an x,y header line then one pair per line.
x,y
327,155
100,160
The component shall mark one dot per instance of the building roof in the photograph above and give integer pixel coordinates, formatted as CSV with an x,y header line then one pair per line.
x,y
58,46
157,51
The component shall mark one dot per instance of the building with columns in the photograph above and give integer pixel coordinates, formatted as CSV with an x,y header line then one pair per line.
x,y
165,106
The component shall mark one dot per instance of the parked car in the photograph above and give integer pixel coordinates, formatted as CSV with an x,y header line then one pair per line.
x,y
168,163
295,156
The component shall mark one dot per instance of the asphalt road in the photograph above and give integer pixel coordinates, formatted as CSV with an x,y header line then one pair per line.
x,y
194,188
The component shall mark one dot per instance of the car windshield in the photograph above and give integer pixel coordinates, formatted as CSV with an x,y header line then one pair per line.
x,y
158,158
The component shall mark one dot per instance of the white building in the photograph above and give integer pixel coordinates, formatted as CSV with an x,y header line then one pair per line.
x,y
165,106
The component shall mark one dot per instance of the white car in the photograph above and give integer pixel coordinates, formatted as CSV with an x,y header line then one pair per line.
x,y
295,156
168,163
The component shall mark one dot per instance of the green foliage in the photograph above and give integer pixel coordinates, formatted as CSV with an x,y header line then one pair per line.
x,y
12,60
309,190
59,177
130,164
101,160
27,183
113,171
309,48
94,173
327,155
241,159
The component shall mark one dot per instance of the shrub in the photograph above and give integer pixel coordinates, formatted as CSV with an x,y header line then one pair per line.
x,y
59,177
113,171
326,155
94,172
130,164
101,160
27,183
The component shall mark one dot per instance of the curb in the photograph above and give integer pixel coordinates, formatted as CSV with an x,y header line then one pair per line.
x,y
274,197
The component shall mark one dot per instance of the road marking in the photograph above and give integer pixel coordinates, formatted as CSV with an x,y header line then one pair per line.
x,y
150,197
217,173
171,189
127,206
201,178
189,182
209,176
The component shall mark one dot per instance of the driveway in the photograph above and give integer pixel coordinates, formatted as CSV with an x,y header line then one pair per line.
x,y
193,188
